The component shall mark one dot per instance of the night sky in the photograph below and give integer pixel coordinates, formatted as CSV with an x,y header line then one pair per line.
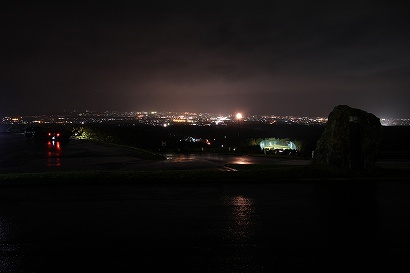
x,y
258,57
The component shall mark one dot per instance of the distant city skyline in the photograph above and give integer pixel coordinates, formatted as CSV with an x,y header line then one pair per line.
x,y
61,112
163,118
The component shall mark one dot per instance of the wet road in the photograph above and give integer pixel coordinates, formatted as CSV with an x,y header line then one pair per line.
x,y
298,226
278,227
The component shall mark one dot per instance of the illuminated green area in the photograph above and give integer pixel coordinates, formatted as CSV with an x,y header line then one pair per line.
x,y
278,144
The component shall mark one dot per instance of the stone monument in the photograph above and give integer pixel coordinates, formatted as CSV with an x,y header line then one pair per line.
x,y
351,139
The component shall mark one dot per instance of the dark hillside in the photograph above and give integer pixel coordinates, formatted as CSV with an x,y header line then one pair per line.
x,y
395,142
205,138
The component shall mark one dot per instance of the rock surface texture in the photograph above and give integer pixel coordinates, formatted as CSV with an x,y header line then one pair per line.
x,y
351,139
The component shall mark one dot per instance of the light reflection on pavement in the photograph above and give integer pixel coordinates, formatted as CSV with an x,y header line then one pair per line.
x,y
219,161
18,155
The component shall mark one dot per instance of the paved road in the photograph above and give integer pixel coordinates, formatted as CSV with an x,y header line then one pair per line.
x,y
19,155
214,227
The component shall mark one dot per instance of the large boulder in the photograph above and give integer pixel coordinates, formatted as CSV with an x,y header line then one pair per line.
x,y
351,139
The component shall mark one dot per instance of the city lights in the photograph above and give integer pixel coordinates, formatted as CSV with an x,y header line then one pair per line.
x,y
170,118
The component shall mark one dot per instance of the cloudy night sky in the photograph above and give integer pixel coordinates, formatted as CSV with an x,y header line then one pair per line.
x,y
259,57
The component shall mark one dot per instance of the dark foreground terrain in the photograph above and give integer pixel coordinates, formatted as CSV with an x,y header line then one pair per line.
x,y
282,219
283,226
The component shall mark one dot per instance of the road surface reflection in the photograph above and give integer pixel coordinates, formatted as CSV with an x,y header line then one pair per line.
x,y
53,153
241,218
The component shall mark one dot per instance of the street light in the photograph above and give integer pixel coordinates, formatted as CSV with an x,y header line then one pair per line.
x,y
238,118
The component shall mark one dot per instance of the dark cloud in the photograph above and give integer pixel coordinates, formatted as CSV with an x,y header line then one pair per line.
x,y
278,57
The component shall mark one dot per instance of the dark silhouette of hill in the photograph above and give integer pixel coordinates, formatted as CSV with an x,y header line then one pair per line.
x,y
176,137
395,139
212,138
395,142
